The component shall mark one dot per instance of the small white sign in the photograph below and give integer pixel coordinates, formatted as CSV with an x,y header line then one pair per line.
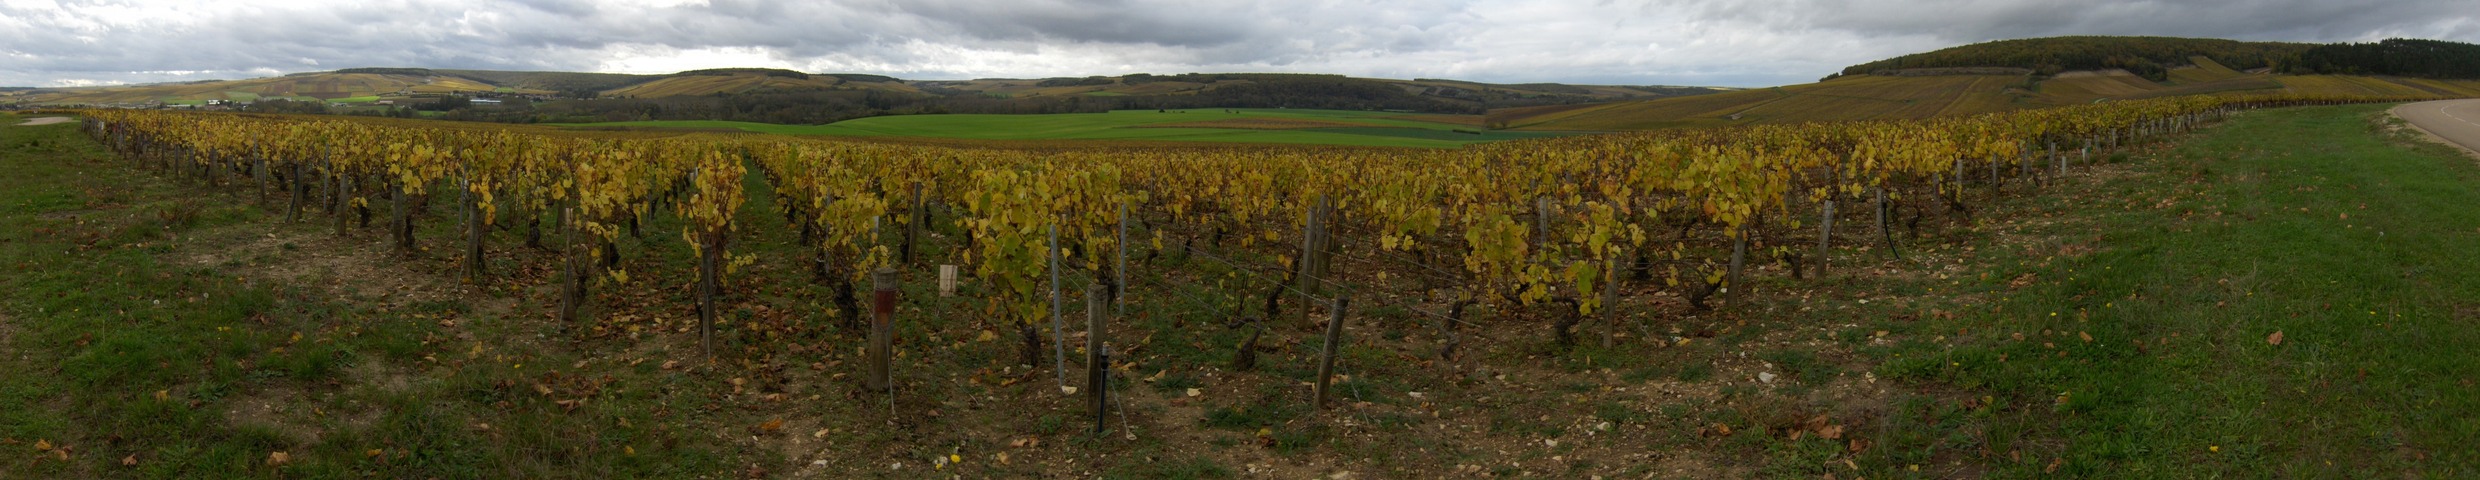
x,y
947,280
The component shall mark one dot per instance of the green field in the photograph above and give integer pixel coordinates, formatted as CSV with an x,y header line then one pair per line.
x,y
1118,125
2284,296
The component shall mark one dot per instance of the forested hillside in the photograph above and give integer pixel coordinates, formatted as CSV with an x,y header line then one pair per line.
x,y
2149,57
2154,57
2398,57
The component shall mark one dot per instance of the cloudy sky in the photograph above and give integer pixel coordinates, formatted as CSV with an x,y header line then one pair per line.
x,y
1659,42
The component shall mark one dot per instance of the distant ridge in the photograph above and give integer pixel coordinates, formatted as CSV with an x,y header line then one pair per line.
x,y
2045,72
2154,57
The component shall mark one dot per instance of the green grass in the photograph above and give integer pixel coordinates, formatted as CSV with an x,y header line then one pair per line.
x,y
1115,126
360,99
2353,243
135,358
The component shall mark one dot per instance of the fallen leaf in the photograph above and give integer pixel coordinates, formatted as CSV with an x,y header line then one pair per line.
x,y
162,395
374,453
1195,392
628,450
42,445
130,461
2086,336
2274,339
771,426
1831,432
279,458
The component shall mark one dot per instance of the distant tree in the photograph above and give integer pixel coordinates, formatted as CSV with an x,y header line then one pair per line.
x,y
445,103
279,105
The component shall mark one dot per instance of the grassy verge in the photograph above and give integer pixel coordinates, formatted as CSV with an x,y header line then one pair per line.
x,y
133,349
2287,295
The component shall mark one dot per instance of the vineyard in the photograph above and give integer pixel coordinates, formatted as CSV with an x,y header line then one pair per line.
x,y
1563,238
1557,222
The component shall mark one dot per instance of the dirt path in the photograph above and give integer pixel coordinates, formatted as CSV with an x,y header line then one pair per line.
x,y
2456,122
43,121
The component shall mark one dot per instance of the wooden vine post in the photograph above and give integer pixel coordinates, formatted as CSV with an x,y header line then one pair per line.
x,y
476,224
1825,235
572,267
301,192
1610,301
1882,231
912,224
258,171
1326,355
1739,262
344,191
882,328
398,217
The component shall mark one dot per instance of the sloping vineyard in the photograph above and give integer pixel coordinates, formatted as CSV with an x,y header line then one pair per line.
x,y
1563,228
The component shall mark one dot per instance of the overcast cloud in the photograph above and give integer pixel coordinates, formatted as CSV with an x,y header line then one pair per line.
x,y
1666,42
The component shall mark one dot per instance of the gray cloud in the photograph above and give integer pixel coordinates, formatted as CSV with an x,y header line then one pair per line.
x,y
1681,42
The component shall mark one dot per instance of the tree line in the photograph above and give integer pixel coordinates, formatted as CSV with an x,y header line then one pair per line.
x,y
2148,57
2398,57
2153,57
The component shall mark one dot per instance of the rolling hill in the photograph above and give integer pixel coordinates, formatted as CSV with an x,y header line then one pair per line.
x,y
1458,92
2034,73
743,81
302,86
1315,91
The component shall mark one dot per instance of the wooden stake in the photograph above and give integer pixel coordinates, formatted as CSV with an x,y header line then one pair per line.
x,y
882,328
1739,260
1610,301
1825,236
1326,358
